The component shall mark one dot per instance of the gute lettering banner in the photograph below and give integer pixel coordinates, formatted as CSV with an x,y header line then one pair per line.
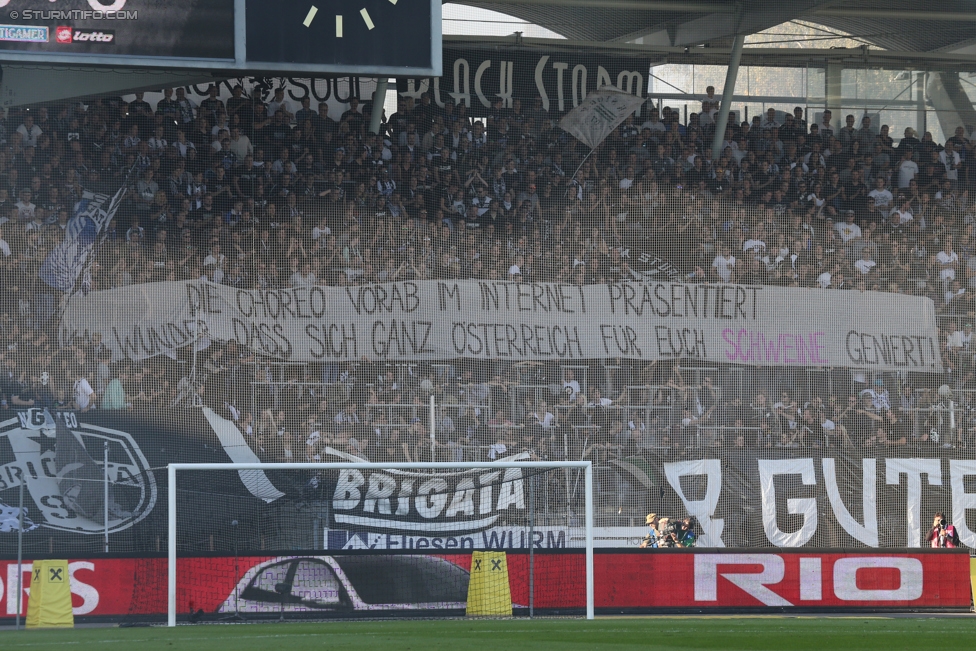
x,y
767,326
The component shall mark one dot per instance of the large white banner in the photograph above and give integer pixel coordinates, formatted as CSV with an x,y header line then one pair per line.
x,y
768,326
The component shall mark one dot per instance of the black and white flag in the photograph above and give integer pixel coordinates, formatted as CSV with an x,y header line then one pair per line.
x,y
599,114
69,258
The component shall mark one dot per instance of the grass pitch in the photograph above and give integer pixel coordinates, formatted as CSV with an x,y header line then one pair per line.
x,y
616,634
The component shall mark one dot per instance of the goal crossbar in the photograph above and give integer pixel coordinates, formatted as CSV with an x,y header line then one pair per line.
x,y
585,466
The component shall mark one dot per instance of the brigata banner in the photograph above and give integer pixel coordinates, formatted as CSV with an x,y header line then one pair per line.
x,y
351,585
781,497
429,320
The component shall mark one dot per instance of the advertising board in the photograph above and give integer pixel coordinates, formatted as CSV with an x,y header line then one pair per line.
x,y
187,29
369,37
625,582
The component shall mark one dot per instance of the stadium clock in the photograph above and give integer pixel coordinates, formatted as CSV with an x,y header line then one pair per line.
x,y
359,34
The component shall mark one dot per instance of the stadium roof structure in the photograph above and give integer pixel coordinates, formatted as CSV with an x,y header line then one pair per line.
x,y
897,34
887,24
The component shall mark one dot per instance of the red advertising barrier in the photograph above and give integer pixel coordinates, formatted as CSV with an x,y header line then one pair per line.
x,y
127,588
758,579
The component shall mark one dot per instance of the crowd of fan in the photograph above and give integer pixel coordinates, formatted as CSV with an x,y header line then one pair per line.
x,y
664,532
257,194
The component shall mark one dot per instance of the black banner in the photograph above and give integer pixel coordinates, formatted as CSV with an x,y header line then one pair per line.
x,y
59,458
742,497
477,77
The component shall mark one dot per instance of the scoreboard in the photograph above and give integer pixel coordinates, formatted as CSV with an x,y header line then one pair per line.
x,y
363,37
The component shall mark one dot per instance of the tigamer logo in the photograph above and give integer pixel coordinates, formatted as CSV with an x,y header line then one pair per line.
x,y
72,35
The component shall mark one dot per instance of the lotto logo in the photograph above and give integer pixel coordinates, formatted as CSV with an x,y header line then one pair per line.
x,y
71,35
94,37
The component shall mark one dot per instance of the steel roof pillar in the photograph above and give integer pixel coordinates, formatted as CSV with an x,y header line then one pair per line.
x,y
952,105
722,119
379,99
832,91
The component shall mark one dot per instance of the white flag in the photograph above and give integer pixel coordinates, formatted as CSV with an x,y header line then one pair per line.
x,y
599,114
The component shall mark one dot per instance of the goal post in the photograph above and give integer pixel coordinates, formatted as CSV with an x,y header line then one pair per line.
x,y
566,495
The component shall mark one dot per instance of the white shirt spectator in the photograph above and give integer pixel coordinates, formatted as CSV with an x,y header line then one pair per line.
x,y
945,259
882,198
847,231
25,210
274,105
30,135
823,280
710,106
654,125
242,146
906,172
953,294
4,248
545,419
84,394
902,216
754,246
183,147
217,260
960,339
299,280
954,340
724,267
574,388
950,161
865,265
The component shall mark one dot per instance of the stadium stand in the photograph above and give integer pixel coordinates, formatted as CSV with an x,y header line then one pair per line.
x,y
268,195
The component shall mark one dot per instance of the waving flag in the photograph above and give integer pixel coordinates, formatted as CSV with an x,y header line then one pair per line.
x,y
67,260
10,519
599,114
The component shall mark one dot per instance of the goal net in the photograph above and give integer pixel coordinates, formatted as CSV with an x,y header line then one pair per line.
x,y
320,540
